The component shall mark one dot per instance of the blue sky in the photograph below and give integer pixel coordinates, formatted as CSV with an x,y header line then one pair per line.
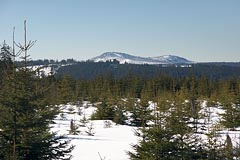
x,y
199,30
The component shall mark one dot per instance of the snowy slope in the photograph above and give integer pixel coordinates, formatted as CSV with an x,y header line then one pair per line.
x,y
47,70
43,70
113,143
171,59
127,58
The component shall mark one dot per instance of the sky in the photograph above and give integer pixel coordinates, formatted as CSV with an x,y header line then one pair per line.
x,y
199,30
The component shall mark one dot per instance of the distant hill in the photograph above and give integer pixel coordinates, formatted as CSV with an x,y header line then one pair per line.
x,y
127,58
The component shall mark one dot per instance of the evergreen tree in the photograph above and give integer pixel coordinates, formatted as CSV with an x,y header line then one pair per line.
x,y
230,101
119,113
25,123
104,111
214,148
73,128
141,112
26,116
228,148
66,89
169,137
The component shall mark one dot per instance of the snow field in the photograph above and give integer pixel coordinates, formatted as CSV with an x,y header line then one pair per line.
x,y
108,143
112,143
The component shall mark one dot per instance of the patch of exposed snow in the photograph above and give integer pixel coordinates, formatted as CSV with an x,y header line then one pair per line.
x,y
111,143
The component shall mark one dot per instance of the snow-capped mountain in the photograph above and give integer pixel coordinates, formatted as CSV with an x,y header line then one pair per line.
x,y
127,58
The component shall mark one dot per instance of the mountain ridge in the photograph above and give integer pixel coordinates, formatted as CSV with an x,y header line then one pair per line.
x,y
128,58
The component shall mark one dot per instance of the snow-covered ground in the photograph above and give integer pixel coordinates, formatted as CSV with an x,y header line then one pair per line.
x,y
112,143
109,143
211,118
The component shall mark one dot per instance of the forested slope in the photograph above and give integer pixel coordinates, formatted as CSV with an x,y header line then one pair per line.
x,y
89,70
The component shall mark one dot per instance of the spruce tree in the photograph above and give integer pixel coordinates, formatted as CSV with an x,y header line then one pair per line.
x,y
169,137
26,116
141,112
230,101
25,131
66,90
228,148
105,111
73,128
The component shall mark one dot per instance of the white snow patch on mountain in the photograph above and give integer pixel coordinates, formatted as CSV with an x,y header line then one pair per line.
x,y
127,58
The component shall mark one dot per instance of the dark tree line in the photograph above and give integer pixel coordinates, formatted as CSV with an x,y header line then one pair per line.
x,y
91,70
107,86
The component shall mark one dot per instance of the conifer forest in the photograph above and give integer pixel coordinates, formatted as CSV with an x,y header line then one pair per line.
x,y
168,108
